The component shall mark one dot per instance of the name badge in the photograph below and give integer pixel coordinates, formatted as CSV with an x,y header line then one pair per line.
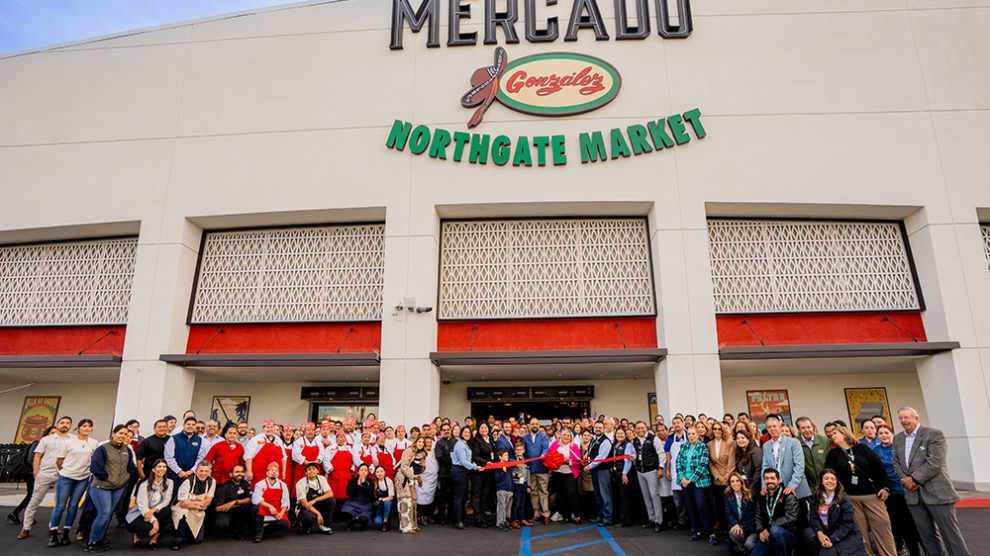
x,y
855,480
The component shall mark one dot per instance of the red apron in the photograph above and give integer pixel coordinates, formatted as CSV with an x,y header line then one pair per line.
x,y
341,462
272,495
290,469
309,453
397,451
267,454
364,454
386,463
224,458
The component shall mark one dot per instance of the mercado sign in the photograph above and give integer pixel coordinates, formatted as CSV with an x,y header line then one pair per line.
x,y
550,84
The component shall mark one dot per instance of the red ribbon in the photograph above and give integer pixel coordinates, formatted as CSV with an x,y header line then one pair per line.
x,y
517,462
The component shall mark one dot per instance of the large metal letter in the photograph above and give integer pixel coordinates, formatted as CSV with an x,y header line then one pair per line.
x,y
454,16
684,25
623,31
533,34
506,20
403,12
591,21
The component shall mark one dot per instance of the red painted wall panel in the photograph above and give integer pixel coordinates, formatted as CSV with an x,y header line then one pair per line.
x,y
61,340
820,328
364,337
548,334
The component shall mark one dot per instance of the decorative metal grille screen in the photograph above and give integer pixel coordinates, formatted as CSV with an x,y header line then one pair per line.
x,y
77,283
786,266
331,273
985,228
500,269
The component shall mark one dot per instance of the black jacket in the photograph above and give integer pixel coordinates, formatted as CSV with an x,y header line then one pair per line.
x,y
482,453
870,474
841,528
442,451
361,493
785,513
745,518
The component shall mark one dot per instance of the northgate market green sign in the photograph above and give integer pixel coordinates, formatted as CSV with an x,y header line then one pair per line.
x,y
551,84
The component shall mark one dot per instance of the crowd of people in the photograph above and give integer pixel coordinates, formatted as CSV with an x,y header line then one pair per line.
x,y
775,489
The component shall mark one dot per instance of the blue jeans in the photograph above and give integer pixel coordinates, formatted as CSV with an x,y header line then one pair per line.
x,y
68,492
382,511
602,481
518,502
105,501
780,544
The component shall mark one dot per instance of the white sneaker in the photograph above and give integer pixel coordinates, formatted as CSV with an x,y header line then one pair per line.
x,y
556,517
325,529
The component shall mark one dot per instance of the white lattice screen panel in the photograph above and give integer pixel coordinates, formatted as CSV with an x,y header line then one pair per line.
x,y
498,269
331,273
73,283
985,229
794,266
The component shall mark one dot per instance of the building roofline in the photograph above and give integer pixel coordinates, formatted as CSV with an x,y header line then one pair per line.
x,y
167,26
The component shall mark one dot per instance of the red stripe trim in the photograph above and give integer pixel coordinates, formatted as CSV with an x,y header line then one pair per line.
x,y
819,328
548,334
353,337
974,503
61,340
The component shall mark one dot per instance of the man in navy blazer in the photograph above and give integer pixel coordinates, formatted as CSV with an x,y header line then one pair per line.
x,y
785,454
920,458
537,445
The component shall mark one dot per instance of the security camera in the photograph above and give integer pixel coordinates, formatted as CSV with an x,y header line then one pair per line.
x,y
423,309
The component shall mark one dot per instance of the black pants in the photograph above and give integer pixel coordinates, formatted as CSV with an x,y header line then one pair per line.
x,y
622,497
458,483
480,492
307,519
142,528
442,499
29,483
238,522
262,527
902,524
715,494
565,485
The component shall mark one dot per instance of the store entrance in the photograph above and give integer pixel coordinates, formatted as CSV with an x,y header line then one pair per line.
x,y
543,411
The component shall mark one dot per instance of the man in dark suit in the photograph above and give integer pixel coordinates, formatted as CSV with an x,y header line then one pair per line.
x,y
920,458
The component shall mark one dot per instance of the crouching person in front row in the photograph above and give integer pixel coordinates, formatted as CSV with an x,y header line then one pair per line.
x,y
151,515
315,501
776,518
232,512
271,496
193,497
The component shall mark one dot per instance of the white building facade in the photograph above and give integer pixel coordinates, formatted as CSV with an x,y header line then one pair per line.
x,y
276,205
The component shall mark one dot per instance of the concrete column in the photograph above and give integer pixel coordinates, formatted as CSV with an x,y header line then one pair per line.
x,y
954,281
163,277
409,382
689,380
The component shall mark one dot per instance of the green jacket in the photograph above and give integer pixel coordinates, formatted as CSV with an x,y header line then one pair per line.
x,y
814,458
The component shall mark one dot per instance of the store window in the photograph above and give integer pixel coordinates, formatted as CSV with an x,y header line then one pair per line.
x,y
340,412
505,269
307,274
780,266
67,283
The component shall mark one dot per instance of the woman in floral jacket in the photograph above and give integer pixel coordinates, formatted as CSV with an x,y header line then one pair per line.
x,y
406,479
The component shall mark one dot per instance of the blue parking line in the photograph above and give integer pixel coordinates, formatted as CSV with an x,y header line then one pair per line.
x,y
611,542
527,539
572,547
565,532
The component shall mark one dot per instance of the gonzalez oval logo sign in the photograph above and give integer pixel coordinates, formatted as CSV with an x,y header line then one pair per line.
x,y
551,84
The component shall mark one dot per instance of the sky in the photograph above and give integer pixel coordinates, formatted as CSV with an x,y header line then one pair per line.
x,y
31,24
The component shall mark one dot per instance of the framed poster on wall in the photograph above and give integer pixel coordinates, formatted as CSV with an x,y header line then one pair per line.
x,y
864,403
651,401
37,415
764,402
230,409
